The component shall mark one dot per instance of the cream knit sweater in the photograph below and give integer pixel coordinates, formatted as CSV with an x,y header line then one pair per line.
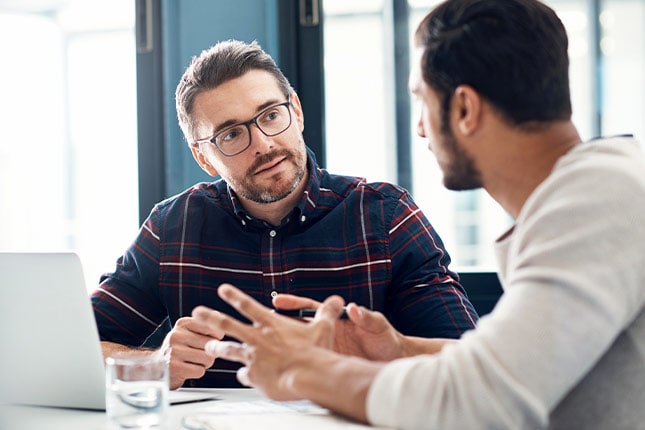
x,y
565,346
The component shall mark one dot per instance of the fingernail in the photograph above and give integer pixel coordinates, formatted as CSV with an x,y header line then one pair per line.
x,y
211,347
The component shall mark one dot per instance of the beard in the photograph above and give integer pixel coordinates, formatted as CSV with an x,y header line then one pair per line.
x,y
283,185
460,172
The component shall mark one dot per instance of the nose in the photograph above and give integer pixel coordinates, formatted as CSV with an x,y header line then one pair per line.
x,y
261,142
420,129
420,111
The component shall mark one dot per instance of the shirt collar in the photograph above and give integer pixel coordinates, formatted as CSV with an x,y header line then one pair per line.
x,y
305,207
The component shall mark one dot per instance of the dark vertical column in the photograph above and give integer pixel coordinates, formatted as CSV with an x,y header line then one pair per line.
x,y
301,58
401,17
150,118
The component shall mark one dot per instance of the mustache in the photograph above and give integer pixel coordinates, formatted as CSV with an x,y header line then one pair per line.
x,y
267,158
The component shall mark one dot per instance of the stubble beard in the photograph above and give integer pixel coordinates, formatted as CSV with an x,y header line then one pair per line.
x,y
281,188
460,174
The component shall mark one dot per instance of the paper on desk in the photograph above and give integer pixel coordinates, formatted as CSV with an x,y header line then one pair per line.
x,y
266,414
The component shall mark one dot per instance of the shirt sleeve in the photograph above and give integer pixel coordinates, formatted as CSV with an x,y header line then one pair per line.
x,y
426,298
127,303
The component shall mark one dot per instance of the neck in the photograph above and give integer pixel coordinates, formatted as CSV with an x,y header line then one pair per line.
x,y
518,165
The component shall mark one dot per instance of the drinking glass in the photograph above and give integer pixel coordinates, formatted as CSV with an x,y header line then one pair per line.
x,y
137,391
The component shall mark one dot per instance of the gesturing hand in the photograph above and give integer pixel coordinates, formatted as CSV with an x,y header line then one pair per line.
x,y
274,346
185,346
367,334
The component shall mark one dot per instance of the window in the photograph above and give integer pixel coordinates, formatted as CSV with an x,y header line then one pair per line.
x,y
622,46
607,53
68,156
359,141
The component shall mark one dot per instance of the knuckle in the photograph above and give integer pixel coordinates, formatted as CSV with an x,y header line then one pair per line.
x,y
173,337
225,324
244,305
182,321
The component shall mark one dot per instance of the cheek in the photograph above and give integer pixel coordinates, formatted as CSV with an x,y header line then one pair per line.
x,y
222,166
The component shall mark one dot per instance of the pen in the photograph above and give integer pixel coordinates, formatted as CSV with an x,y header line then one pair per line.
x,y
304,313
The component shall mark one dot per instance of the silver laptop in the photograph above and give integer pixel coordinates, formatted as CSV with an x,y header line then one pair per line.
x,y
51,353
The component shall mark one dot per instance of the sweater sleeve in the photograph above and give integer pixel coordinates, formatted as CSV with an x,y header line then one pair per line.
x,y
574,282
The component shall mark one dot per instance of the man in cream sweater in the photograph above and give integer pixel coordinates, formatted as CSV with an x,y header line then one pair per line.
x,y
565,345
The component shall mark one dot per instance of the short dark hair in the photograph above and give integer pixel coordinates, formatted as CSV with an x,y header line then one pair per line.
x,y
513,52
222,62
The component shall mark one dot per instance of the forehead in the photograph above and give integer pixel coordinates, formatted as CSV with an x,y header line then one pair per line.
x,y
234,101
237,99
416,82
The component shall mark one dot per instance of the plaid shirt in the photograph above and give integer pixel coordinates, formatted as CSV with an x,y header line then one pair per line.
x,y
368,243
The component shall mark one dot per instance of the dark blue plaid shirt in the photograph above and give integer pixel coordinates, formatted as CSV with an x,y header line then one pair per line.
x,y
368,243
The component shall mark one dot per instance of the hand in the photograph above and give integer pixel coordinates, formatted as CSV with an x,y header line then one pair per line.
x,y
366,334
184,345
275,346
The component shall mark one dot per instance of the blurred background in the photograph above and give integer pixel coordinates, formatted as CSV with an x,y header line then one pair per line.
x,y
89,139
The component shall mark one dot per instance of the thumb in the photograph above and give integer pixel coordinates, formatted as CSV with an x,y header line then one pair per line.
x,y
330,309
366,319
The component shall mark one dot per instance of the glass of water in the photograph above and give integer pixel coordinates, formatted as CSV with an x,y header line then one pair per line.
x,y
137,391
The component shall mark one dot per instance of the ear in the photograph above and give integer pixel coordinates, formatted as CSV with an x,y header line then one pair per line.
x,y
198,155
467,109
297,108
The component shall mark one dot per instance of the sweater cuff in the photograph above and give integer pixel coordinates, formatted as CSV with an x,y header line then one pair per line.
x,y
384,393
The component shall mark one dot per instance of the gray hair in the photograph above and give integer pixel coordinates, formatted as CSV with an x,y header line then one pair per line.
x,y
220,63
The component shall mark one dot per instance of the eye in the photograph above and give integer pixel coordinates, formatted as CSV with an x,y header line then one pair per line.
x,y
229,135
270,115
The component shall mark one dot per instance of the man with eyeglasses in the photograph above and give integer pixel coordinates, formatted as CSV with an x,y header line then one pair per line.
x,y
274,223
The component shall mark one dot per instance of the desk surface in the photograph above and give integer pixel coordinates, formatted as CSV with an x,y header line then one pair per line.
x,y
234,409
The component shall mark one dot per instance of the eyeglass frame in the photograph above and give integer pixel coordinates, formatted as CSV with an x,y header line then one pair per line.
x,y
247,124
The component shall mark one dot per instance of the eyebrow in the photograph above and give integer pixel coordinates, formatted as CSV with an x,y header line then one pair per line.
x,y
231,122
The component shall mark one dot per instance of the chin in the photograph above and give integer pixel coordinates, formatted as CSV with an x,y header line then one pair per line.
x,y
271,196
461,184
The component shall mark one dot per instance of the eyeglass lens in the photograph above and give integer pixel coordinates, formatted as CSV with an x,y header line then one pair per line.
x,y
271,122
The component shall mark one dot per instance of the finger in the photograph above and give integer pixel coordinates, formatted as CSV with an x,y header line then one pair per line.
x,y
366,319
179,371
245,304
243,376
225,323
233,351
289,301
185,338
190,355
330,309
354,313
198,327
187,363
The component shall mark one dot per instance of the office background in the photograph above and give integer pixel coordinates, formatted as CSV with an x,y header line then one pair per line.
x,y
89,139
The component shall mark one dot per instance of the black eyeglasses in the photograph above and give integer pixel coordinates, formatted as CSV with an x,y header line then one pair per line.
x,y
236,139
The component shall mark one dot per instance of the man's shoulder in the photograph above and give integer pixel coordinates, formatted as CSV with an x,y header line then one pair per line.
x,y
616,159
346,185
607,151
199,194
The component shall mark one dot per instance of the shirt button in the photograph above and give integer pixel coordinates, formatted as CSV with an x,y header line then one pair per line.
x,y
274,293
272,233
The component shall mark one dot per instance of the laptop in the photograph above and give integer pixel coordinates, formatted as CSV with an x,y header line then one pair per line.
x,y
51,353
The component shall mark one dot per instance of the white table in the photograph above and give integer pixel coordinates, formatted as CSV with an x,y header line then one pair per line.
x,y
234,409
